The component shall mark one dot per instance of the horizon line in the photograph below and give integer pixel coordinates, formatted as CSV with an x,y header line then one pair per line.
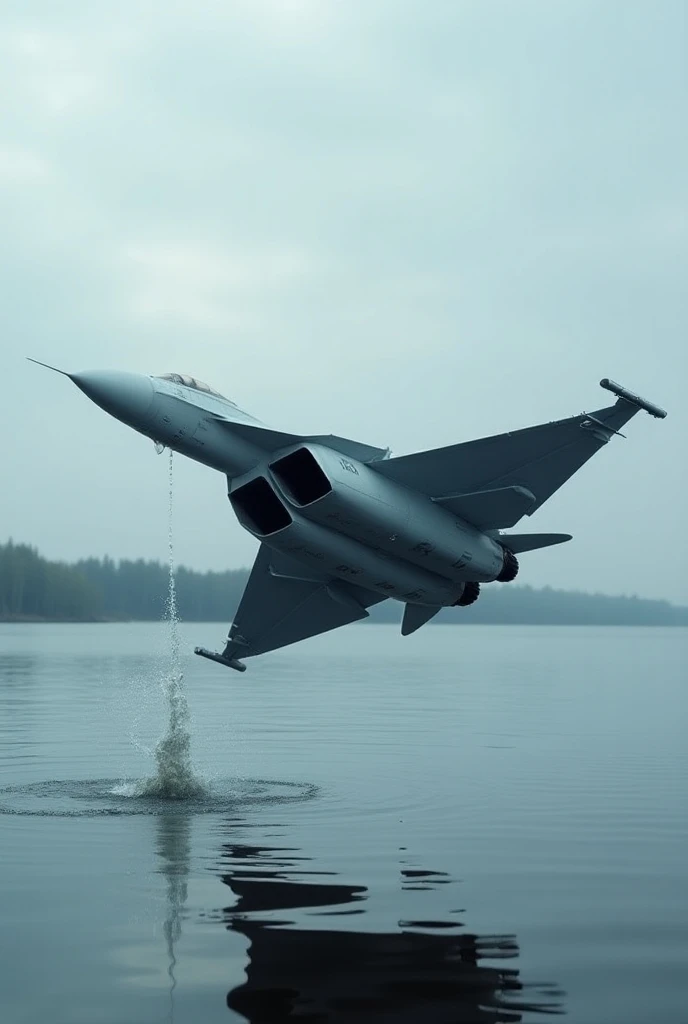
x,y
247,569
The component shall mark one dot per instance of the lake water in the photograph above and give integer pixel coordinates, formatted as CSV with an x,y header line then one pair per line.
x,y
474,824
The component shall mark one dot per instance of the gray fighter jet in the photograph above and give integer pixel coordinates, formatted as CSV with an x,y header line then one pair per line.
x,y
342,525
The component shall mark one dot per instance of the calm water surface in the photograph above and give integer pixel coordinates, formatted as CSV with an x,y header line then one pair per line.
x,y
476,824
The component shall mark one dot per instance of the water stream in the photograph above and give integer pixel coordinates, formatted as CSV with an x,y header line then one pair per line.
x,y
174,778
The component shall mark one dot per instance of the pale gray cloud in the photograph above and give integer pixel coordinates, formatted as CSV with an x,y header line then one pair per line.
x,y
409,223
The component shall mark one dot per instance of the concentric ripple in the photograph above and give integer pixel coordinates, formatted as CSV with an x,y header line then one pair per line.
x,y
89,798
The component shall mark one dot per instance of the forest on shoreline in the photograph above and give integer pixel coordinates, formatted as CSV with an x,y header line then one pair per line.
x,y
34,589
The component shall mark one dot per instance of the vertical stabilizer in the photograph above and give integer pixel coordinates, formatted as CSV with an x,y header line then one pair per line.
x,y
416,615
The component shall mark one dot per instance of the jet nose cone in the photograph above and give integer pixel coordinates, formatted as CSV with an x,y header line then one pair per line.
x,y
126,396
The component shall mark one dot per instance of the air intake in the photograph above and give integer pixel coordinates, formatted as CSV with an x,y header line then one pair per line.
x,y
301,477
259,509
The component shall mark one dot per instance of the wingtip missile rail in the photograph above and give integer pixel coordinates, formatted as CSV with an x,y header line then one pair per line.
x,y
629,396
220,659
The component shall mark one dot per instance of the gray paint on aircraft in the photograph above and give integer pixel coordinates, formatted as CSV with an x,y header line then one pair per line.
x,y
342,525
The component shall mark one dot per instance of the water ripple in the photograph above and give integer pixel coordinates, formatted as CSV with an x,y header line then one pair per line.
x,y
89,798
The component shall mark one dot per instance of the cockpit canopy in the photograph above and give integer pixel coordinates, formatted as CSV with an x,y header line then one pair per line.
x,y
191,382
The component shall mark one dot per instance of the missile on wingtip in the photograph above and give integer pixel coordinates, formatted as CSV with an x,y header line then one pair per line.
x,y
628,396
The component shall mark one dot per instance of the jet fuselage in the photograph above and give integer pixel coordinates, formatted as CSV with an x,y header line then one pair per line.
x,y
329,511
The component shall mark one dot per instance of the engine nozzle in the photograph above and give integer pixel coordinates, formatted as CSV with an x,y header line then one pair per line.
x,y
471,593
510,567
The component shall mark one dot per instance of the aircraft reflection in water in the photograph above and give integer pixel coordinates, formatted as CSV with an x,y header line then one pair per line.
x,y
342,526
427,972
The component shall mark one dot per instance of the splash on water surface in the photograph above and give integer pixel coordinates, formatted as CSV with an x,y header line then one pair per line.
x,y
91,798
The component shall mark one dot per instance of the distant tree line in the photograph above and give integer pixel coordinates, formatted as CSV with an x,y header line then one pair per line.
x,y
139,589
509,603
33,588
102,589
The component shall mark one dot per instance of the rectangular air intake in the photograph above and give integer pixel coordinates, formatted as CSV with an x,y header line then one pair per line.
x,y
301,478
259,509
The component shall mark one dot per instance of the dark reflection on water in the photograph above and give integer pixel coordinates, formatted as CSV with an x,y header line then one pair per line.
x,y
424,971
173,846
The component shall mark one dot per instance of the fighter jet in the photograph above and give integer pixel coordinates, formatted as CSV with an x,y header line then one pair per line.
x,y
342,525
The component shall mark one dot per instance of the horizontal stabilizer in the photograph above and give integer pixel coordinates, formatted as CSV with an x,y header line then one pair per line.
x,y
273,440
518,542
416,615
492,509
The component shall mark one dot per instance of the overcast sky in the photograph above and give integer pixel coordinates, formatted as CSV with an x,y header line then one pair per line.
x,y
411,223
